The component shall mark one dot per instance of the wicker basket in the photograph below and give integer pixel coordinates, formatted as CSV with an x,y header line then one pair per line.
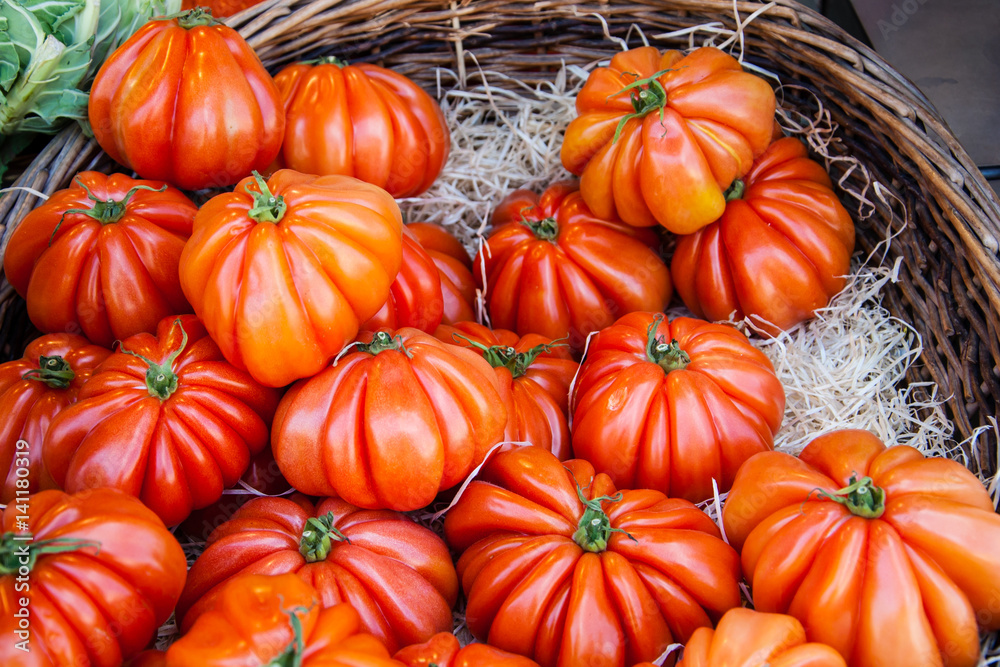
x,y
948,284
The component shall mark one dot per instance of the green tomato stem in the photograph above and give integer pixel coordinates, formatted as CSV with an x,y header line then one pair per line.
x,y
53,371
668,356
17,552
318,537
161,381
266,206
861,497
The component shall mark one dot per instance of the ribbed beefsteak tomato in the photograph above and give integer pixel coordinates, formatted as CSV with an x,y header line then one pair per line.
x,y
391,424
673,405
363,121
886,556
781,250
100,257
186,100
533,374
660,137
276,620
443,650
95,578
560,567
165,419
751,638
283,273
33,390
415,297
458,286
397,574
555,269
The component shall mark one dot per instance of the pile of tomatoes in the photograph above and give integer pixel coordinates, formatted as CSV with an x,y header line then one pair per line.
x,y
292,334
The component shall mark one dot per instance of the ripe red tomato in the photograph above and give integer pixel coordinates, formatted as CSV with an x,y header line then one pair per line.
x,y
186,100
534,375
443,650
559,566
363,121
100,574
391,424
549,270
276,620
397,574
33,390
220,8
415,296
435,238
886,556
165,419
660,137
283,273
781,250
673,405
100,257
746,637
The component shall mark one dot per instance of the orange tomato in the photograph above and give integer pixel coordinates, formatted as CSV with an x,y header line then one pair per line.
x,y
660,137
887,556
443,650
363,121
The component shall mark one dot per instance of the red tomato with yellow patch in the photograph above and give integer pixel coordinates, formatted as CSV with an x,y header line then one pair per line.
x,y
398,419
165,419
660,137
100,258
396,574
186,100
674,405
33,390
534,375
887,556
781,250
559,566
363,121
554,268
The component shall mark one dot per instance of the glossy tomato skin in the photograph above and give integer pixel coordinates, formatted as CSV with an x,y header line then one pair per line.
x,y
675,430
93,606
31,394
576,274
443,650
175,453
458,286
746,637
282,298
535,389
397,574
672,165
220,8
435,238
389,426
777,254
363,121
906,586
415,297
108,273
250,624
538,587
192,106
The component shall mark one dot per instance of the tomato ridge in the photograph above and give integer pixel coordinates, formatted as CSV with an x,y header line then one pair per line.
x,y
53,371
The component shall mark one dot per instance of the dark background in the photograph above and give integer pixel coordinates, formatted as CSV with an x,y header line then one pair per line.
x,y
950,49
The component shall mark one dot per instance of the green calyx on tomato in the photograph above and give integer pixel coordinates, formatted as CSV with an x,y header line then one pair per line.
x,y
266,206
861,497
292,655
382,342
504,356
668,356
194,18
326,60
20,551
735,190
647,95
105,211
546,229
594,529
53,371
161,381
318,538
